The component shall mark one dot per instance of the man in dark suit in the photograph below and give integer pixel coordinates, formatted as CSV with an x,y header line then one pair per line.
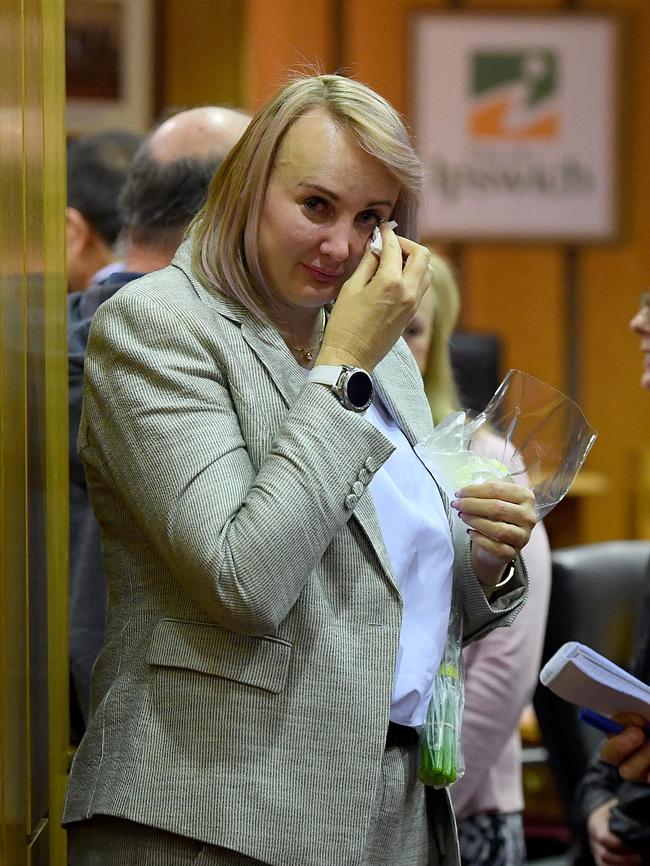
x,y
97,167
164,189
613,800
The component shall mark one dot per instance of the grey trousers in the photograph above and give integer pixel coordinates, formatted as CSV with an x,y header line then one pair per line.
x,y
399,833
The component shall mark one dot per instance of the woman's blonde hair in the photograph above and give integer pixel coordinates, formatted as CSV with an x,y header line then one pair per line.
x,y
438,376
225,231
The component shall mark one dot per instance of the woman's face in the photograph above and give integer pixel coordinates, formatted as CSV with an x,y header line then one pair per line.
x,y
325,196
419,331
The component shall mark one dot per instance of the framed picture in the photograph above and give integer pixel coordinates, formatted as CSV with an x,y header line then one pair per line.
x,y
516,122
109,60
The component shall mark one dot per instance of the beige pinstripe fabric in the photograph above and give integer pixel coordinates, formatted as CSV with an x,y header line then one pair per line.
x,y
242,697
400,833
107,841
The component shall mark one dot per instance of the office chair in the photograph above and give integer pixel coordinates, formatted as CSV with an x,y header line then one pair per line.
x,y
476,362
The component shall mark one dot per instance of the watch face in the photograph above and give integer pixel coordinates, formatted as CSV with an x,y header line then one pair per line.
x,y
358,389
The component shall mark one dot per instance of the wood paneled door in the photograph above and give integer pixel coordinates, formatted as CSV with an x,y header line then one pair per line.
x,y
33,435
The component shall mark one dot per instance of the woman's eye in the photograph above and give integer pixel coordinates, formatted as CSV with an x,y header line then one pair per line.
x,y
316,205
369,219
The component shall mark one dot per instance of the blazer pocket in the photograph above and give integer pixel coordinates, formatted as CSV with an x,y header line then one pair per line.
x,y
207,648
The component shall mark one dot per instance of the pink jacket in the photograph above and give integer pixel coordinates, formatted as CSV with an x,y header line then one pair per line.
x,y
501,672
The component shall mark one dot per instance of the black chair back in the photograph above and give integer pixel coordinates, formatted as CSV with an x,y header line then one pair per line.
x,y
476,362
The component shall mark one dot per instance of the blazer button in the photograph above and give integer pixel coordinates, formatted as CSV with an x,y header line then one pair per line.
x,y
358,488
364,476
350,501
369,464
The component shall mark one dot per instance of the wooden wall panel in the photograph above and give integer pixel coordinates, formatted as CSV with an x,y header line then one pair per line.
x,y
55,415
33,435
377,45
201,60
13,499
518,294
611,279
236,53
286,36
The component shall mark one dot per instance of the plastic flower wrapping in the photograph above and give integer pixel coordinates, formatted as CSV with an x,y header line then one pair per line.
x,y
542,441
440,748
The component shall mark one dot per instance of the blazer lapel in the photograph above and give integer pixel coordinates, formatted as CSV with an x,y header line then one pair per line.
x,y
273,354
399,386
366,516
263,339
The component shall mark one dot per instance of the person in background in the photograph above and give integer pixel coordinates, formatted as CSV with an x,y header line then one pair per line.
x,y
97,167
501,670
165,188
279,560
613,800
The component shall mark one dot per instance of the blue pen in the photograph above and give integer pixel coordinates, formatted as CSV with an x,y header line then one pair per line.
x,y
602,723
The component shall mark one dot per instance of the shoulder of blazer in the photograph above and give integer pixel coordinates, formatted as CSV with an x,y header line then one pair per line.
x,y
177,283
228,307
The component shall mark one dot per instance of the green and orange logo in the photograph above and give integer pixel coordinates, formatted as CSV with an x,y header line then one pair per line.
x,y
513,95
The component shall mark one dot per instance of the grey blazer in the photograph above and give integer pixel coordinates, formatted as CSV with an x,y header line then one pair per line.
x,y
243,693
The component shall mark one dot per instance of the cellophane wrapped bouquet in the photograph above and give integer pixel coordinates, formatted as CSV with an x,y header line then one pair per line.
x,y
545,440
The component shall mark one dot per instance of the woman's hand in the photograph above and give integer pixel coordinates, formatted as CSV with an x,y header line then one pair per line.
x,y
500,516
629,750
376,303
606,848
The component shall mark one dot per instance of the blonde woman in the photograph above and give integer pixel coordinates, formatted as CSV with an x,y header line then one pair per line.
x,y
501,670
279,562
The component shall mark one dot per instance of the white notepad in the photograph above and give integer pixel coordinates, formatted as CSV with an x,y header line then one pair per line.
x,y
582,676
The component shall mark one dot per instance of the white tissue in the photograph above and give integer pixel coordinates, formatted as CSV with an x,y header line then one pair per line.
x,y
376,244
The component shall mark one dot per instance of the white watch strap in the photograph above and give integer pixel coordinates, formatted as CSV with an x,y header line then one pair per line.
x,y
325,374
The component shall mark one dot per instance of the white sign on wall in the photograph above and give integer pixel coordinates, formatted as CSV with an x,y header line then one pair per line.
x,y
515,121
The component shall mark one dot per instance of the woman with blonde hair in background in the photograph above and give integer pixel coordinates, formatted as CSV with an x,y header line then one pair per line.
x,y
501,670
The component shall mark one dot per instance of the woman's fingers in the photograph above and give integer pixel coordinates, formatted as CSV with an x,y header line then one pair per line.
x,y
508,491
416,265
367,267
499,531
500,516
376,303
502,511
390,258
495,552
404,262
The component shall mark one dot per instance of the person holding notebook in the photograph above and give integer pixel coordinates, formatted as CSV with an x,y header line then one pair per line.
x,y
613,800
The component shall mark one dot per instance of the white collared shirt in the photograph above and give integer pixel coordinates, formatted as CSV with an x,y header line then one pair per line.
x,y
418,540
